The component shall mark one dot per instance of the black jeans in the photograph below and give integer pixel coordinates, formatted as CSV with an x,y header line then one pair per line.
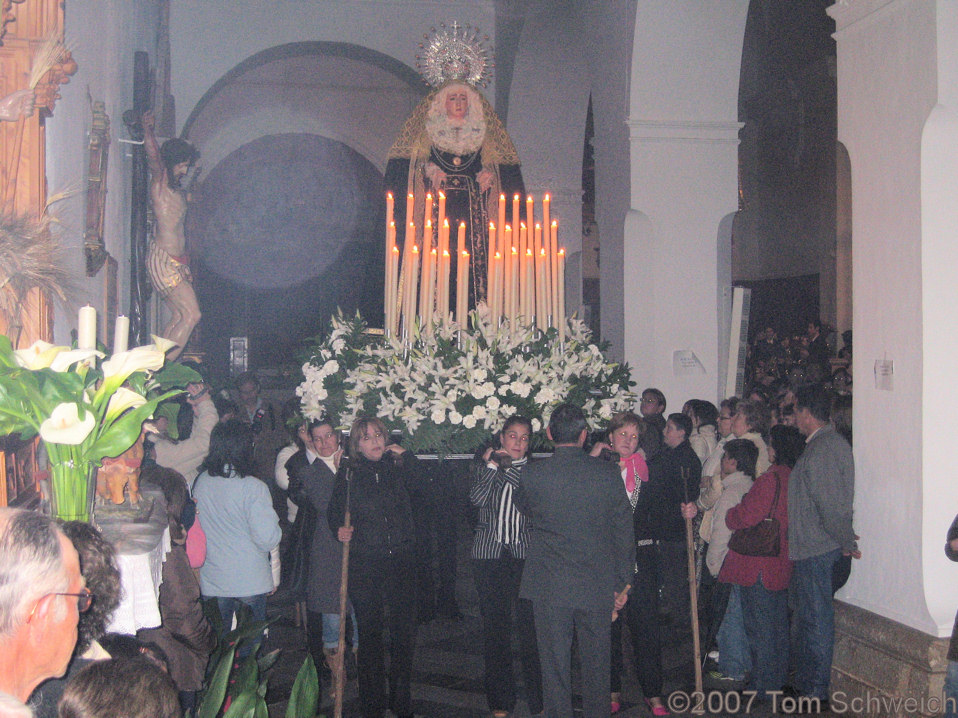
x,y
382,590
497,583
642,616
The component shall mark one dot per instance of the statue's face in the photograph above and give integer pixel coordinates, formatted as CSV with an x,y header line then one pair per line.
x,y
457,102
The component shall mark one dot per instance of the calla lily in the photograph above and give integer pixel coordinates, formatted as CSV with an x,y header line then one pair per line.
x,y
138,359
64,360
122,400
65,426
38,355
161,344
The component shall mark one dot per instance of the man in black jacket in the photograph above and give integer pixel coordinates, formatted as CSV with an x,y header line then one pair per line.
x,y
579,562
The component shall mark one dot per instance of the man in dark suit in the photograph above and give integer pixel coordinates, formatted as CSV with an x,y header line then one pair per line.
x,y
581,557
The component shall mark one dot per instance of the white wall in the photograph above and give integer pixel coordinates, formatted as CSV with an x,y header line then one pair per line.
x,y
104,34
903,255
684,134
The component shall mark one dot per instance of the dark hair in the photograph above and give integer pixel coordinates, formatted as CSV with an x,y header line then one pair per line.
x,y
788,443
98,567
247,377
517,419
659,396
133,687
744,453
815,398
705,412
816,322
756,415
224,405
231,449
176,493
173,152
566,424
126,647
359,430
681,421
731,404
626,418
842,415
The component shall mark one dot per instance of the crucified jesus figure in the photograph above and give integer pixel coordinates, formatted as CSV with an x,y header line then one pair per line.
x,y
166,260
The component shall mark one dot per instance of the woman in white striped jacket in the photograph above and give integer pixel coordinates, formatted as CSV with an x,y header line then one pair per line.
x,y
498,553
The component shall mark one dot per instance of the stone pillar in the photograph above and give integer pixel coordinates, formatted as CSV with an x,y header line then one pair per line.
x,y
684,159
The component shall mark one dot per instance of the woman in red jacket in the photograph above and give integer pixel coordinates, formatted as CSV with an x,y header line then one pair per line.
x,y
762,582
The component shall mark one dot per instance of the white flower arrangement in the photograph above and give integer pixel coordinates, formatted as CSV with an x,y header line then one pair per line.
x,y
448,393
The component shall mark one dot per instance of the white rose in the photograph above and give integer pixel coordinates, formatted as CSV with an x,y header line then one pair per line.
x,y
455,417
469,421
536,425
438,416
479,412
330,367
493,403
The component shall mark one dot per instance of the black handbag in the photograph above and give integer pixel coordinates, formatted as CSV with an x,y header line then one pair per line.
x,y
763,539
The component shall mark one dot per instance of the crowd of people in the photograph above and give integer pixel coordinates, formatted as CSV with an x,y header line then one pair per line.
x,y
589,546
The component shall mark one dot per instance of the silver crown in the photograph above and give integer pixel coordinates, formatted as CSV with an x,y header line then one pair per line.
x,y
454,53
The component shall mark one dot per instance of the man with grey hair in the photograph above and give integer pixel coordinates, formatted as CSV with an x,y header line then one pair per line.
x,y
41,596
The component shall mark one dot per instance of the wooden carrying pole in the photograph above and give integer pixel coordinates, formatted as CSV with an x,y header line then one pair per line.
x,y
339,675
693,589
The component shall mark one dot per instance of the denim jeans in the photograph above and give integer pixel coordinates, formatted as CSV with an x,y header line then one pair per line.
x,y
331,629
815,617
766,626
951,690
229,605
734,659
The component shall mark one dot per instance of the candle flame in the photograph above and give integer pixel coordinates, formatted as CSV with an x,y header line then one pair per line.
x,y
554,223
546,197
396,249
522,225
445,253
542,252
498,256
441,195
428,224
392,224
389,195
538,225
508,227
432,251
529,199
428,195
517,196
562,252
528,252
492,225
502,198
465,253
515,251
410,195
445,223
415,249
462,224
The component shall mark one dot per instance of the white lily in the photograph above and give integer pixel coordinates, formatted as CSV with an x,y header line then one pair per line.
x,y
161,344
38,355
65,426
138,359
64,360
122,400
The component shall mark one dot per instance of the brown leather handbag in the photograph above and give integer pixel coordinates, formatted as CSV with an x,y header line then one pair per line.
x,y
763,539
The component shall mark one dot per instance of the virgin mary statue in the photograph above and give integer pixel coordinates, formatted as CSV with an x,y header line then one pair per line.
x,y
455,143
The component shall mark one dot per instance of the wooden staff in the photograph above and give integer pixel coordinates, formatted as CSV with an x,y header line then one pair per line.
x,y
693,589
340,674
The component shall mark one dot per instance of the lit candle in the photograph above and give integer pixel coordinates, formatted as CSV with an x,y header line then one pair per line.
x,y
550,251
502,248
495,294
444,286
429,281
541,289
530,214
409,301
410,207
461,236
507,270
427,217
554,255
86,328
462,289
492,253
515,215
394,288
426,259
444,236
528,288
442,210
390,221
523,241
121,334
513,287
561,310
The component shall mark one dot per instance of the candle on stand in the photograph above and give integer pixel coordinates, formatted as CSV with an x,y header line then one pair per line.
x,y
523,241
461,236
530,221
495,294
541,289
501,215
516,219
409,301
86,328
442,210
429,282
444,286
554,255
561,311
444,236
513,291
527,288
393,305
426,259
550,250
506,269
462,289
491,253
390,221
121,334
427,217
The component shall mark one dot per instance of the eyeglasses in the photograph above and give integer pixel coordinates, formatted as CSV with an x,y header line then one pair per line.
x,y
84,598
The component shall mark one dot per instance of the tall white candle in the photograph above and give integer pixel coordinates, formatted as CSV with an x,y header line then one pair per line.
x,y
462,289
554,259
561,311
121,334
86,328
